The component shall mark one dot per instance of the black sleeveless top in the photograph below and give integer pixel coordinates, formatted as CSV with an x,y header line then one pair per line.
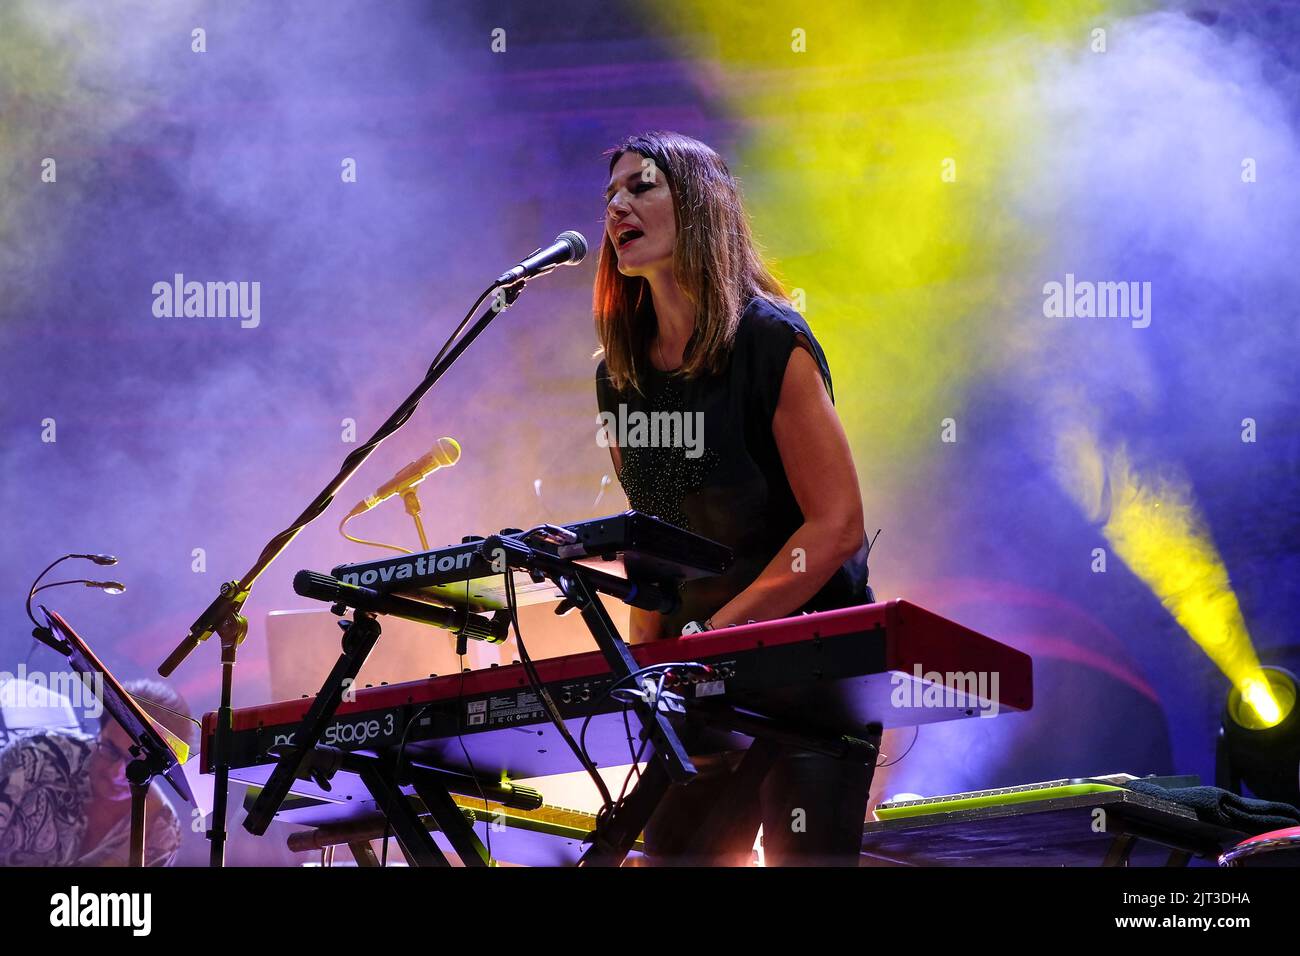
x,y
731,486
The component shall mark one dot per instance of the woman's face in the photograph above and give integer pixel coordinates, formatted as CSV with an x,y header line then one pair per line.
x,y
639,209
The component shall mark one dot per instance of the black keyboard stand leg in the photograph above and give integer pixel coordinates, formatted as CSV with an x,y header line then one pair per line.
x,y
1118,852
663,738
363,853
449,817
359,638
417,845
612,841
581,587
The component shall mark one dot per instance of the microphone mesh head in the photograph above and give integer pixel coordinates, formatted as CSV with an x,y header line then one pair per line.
x,y
578,242
448,451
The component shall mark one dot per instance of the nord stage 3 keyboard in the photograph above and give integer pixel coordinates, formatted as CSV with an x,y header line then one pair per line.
x,y
891,662
630,545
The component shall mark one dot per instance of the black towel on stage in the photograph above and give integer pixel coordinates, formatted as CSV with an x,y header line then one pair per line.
x,y
1225,808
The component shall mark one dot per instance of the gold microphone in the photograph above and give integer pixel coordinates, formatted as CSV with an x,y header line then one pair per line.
x,y
444,454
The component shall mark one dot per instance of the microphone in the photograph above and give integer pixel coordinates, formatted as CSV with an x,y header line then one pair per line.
x,y
445,454
323,587
568,249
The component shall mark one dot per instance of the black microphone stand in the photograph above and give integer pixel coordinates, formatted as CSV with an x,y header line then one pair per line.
x,y
140,774
223,616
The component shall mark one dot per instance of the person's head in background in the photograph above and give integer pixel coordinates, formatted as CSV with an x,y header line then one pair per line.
x,y
112,750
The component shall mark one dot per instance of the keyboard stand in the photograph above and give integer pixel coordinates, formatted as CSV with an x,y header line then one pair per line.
x,y
359,638
666,758
723,832
306,759
412,833
667,762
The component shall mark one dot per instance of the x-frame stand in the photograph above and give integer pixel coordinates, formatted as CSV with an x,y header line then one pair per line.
x,y
305,759
667,763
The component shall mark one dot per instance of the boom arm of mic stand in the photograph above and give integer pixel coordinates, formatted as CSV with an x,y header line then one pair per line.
x,y
223,612
235,593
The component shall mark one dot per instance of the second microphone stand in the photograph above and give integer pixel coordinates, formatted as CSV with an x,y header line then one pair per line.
x,y
412,501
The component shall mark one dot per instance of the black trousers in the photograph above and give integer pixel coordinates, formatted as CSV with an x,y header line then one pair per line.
x,y
812,809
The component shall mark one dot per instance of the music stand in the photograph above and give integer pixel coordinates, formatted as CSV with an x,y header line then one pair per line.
x,y
157,751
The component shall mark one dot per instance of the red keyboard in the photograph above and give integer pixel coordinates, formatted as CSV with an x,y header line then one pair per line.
x,y
891,662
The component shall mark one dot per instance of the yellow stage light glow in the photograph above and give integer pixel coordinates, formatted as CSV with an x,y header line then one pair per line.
x,y
1263,702
877,146
1153,526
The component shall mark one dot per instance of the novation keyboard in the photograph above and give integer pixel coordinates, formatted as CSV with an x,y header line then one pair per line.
x,y
891,662
630,545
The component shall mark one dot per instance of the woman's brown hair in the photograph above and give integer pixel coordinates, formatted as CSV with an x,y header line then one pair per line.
x,y
715,261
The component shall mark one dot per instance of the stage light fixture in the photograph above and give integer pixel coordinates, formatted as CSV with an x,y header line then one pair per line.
x,y
1259,739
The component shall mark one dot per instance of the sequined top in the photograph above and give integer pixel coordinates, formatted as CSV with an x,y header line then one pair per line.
x,y
709,461
45,791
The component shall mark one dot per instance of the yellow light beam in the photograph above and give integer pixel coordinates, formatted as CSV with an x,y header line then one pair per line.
x,y
1154,527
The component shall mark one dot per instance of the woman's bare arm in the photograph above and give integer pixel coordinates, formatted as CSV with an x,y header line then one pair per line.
x,y
819,466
